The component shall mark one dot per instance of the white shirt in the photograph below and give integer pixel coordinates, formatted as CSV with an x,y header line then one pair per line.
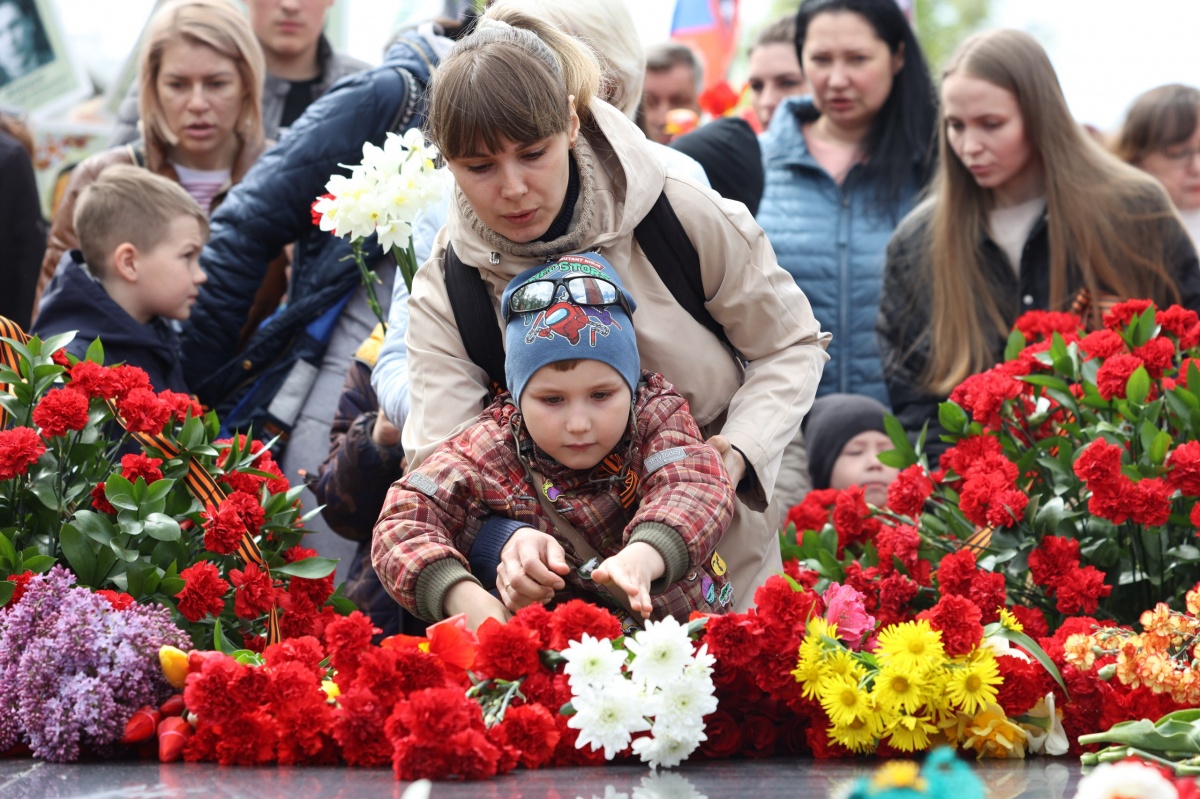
x,y
1010,227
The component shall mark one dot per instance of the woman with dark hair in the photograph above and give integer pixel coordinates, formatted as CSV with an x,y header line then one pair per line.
x,y
843,167
1027,212
1161,136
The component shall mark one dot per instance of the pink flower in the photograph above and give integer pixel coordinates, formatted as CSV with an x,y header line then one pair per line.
x,y
845,607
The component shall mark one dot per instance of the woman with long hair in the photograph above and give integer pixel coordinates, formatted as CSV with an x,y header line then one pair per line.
x,y
1161,136
201,74
542,168
1026,212
843,166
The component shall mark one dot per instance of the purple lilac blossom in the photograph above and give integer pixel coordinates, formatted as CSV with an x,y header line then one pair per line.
x,y
73,669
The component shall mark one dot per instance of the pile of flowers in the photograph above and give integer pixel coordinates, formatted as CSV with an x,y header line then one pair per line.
x,y
75,665
133,491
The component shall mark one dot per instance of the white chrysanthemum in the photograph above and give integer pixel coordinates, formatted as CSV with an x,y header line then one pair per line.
x,y
1112,780
661,651
665,750
607,717
666,786
592,662
682,705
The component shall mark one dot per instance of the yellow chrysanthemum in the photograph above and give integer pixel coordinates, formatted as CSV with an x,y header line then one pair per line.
x,y
844,701
861,735
898,774
973,680
808,672
818,628
912,646
843,664
910,733
1009,620
992,734
898,691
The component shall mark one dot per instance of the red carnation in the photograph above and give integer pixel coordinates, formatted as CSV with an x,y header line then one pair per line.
x,y
531,730
1178,321
724,735
1052,560
1184,465
896,592
956,572
60,411
22,581
815,511
1044,324
1007,508
1157,355
1150,501
506,651
989,595
254,594
247,509
1099,463
1102,344
1113,375
118,601
135,465
316,590
1022,687
571,620
1122,313
969,451
203,592
144,412
20,447
852,519
733,639
978,493
100,501
1081,590
357,730
535,617
958,620
127,378
982,395
92,380
908,492
223,528
1112,501
181,405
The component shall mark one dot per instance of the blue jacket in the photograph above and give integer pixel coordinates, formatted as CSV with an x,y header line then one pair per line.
x,y
269,209
833,243
75,301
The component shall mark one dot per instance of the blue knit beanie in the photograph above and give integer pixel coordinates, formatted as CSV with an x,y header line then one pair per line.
x,y
566,330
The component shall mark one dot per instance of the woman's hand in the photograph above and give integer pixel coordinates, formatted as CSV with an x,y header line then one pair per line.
x,y
735,464
532,566
384,434
469,597
632,570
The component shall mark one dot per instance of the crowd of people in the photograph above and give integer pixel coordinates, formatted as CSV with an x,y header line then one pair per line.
x,y
596,385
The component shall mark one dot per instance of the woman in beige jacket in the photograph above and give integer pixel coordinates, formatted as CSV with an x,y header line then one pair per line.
x,y
542,168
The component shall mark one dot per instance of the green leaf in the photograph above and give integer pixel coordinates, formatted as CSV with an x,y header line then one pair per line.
x,y
7,551
309,568
1158,449
953,417
342,605
1147,326
1016,343
161,527
171,585
95,352
119,492
1174,732
38,563
1050,515
1138,386
899,438
127,555
158,490
95,526
219,640
79,554
894,458
7,589
1029,645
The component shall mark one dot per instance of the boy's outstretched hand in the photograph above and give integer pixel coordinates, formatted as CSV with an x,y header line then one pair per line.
x,y
469,597
632,570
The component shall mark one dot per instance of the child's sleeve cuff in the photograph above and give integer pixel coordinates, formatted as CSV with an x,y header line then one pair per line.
x,y
432,584
670,545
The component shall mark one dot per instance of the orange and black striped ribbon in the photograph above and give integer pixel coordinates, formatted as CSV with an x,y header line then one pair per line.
x,y
202,485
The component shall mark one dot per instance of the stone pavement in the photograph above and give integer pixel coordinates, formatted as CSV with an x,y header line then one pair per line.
x,y
1037,778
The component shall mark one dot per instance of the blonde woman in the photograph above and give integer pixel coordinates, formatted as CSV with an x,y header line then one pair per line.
x,y
542,167
1026,212
201,73
1161,136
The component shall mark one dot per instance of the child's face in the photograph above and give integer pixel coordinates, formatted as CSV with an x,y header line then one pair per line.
x,y
576,417
859,465
169,275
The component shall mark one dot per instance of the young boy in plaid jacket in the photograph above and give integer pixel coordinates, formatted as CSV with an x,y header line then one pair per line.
x,y
583,447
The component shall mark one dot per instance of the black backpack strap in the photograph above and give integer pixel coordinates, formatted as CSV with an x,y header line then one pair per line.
x,y
137,153
475,317
666,244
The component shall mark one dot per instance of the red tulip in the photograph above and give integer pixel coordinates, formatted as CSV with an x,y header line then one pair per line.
x,y
141,725
173,706
173,733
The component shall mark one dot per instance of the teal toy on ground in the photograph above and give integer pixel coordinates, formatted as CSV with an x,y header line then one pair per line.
x,y
942,776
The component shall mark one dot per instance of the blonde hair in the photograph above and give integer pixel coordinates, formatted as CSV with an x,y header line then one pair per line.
x,y
219,25
1160,118
509,80
129,204
1098,213
608,28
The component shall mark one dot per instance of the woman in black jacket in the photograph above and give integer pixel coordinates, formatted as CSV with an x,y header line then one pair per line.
x,y
1026,212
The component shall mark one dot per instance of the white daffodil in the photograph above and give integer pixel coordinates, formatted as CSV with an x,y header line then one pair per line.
x,y
1044,727
592,662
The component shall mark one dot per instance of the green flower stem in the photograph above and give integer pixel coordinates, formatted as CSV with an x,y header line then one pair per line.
x,y
406,261
369,281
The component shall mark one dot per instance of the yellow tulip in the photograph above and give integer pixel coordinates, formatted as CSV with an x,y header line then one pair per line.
x,y
174,665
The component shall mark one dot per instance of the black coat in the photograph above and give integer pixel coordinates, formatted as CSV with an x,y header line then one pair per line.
x,y
23,240
904,306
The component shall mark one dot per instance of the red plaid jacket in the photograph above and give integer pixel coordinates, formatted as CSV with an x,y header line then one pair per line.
x,y
435,512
